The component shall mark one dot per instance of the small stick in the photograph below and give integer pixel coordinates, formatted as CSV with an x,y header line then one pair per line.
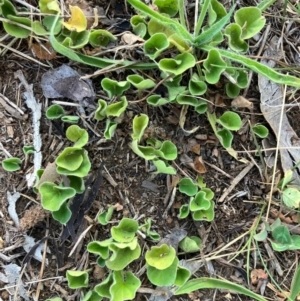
x,y
274,261
235,181
172,199
218,169
39,287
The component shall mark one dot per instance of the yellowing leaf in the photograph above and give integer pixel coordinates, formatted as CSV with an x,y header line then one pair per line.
x,y
49,6
78,21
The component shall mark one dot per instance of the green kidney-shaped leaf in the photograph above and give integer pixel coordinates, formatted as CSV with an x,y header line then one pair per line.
x,y
100,247
154,46
103,288
214,66
139,125
77,183
234,33
291,197
167,151
250,20
91,296
122,257
165,277
260,130
75,40
181,44
216,11
49,6
139,25
232,90
242,79
182,276
190,244
225,137
114,88
187,186
186,99
156,100
11,164
55,111
205,215
124,286
164,168
63,214
231,121
139,82
71,158
196,85
169,7
110,128
77,135
184,211
179,64
105,216
199,202
28,150
53,196
68,162
202,106
209,194
146,152
77,279
125,231
15,30
117,108
160,257
101,37
70,119
100,112
155,27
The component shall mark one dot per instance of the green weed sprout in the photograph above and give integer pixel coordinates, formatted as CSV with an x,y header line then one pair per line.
x,y
11,164
200,205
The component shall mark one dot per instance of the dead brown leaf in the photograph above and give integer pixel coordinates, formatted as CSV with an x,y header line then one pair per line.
x,y
130,38
43,51
241,102
258,274
199,165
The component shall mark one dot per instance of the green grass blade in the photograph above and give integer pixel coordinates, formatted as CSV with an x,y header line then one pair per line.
x,y
208,35
283,79
93,61
174,25
263,5
295,286
202,15
202,283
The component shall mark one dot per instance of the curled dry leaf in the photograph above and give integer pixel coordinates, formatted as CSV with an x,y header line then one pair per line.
x,y
130,38
199,165
175,181
118,207
43,51
258,274
241,102
193,146
219,101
